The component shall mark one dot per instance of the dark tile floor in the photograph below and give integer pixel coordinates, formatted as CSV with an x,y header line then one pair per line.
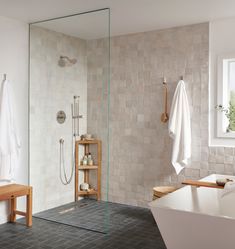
x,y
99,216
129,227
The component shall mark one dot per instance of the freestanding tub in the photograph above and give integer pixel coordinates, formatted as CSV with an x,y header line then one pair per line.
x,y
197,218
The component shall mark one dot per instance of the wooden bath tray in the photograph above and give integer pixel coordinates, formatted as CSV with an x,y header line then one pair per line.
x,y
201,184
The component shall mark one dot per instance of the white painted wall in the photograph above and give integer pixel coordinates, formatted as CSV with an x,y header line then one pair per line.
x,y
222,41
14,62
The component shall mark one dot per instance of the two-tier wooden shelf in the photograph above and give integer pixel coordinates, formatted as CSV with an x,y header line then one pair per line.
x,y
87,168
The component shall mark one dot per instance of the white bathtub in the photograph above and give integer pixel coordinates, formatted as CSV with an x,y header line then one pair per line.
x,y
196,218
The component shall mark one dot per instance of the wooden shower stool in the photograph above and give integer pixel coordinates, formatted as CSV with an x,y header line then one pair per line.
x,y
11,192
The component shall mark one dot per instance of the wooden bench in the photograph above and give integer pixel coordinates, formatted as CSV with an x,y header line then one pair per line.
x,y
11,192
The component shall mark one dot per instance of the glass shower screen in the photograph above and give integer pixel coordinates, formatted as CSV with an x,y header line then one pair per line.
x,y
69,119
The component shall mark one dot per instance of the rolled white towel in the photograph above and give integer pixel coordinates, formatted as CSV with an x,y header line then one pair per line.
x,y
228,188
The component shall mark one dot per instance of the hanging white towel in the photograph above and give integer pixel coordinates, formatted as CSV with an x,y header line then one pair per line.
x,y
9,140
180,128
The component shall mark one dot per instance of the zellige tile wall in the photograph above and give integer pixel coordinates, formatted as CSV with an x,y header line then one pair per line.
x,y
140,147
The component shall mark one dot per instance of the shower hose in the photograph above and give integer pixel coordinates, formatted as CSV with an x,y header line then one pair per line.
x,y
75,134
65,180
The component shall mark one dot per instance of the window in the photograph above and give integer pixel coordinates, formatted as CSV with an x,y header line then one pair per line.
x,y
226,97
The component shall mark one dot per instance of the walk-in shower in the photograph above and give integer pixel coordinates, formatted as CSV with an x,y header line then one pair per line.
x,y
69,86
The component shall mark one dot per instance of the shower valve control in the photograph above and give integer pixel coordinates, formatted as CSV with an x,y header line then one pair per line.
x,y
60,117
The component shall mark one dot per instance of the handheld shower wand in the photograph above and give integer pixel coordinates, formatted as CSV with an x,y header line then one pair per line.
x,y
75,134
75,115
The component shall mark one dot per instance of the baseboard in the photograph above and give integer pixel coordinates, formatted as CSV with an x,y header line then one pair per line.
x,y
3,220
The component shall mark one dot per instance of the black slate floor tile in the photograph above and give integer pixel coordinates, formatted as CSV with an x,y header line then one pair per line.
x,y
129,228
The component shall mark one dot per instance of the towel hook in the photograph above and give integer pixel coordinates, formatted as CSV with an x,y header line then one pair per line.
x,y
184,71
4,76
164,80
165,116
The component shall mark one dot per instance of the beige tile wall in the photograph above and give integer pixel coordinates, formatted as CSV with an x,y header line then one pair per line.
x,y
140,148
52,89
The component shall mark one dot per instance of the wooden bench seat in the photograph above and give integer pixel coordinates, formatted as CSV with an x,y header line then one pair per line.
x,y
11,192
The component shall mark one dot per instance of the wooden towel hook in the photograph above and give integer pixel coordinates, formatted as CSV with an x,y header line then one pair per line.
x,y
165,116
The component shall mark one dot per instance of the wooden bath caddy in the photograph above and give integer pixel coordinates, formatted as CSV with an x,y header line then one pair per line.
x,y
202,184
87,168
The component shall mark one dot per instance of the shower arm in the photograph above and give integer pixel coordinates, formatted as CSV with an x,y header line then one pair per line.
x,y
67,58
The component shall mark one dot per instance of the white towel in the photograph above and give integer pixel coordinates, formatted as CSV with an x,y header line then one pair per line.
x,y
228,188
9,140
180,128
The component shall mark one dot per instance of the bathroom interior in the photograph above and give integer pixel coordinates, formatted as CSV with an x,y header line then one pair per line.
x,y
126,124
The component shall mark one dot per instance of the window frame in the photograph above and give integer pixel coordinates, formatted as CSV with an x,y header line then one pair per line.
x,y
223,93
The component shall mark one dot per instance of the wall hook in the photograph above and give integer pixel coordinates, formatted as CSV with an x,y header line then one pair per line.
x,y
164,80
165,116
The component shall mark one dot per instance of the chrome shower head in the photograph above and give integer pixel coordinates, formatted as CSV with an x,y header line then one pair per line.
x,y
66,61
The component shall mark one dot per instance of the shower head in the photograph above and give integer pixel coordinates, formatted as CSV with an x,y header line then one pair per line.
x,y
66,61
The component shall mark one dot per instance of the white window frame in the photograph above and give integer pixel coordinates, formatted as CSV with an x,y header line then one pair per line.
x,y
223,94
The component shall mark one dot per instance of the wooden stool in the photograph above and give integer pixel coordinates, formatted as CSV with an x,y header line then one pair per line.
x,y
11,192
161,191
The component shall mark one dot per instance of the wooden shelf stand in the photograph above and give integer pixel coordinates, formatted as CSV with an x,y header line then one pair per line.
x,y
87,168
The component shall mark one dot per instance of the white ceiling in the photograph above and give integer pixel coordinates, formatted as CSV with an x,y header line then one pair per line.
x,y
88,26
127,16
